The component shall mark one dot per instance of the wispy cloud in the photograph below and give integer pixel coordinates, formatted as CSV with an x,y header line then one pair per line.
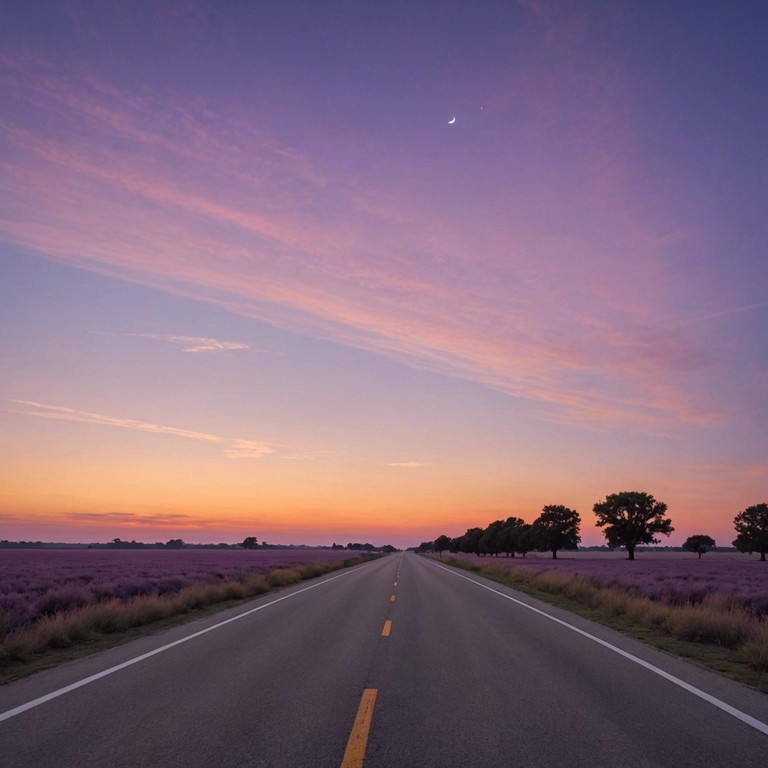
x,y
248,224
248,449
233,448
191,343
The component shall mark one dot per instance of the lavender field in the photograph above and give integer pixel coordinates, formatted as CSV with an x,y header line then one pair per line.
x,y
677,579
55,589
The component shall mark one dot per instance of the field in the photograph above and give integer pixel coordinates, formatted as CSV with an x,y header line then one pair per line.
x,y
718,603
53,599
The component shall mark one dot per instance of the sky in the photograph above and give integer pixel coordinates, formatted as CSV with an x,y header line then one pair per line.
x,y
255,279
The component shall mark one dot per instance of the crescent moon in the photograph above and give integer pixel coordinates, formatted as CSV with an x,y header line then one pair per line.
x,y
452,121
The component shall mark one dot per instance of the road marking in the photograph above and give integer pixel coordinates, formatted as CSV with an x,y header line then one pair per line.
x,y
391,598
354,754
737,713
387,628
93,678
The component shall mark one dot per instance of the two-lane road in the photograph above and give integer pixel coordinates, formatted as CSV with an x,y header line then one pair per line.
x,y
400,662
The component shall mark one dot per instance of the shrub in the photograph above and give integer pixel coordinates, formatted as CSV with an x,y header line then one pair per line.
x,y
282,577
754,652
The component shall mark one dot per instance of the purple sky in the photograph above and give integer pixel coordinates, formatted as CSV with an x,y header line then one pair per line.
x,y
254,282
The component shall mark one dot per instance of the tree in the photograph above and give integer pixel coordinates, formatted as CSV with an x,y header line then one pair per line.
x,y
752,530
174,543
526,540
442,543
557,527
250,542
489,539
509,535
630,518
700,544
470,541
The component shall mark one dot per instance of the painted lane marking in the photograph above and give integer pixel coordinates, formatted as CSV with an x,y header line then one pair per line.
x,y
737,713
387,628
354,754
93,678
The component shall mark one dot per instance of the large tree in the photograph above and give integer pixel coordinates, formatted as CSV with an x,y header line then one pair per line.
x,y
630,518
699,543
752,530
557,527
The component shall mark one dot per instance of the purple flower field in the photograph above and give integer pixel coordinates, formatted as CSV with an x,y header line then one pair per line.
x,y
43,582
680,580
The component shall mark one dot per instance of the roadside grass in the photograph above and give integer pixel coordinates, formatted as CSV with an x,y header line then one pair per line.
x,y
77,632
713,633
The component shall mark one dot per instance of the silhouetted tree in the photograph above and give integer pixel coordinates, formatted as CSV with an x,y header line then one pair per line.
x,y
250,542
557,527
509,535
630,518
174,544
526,540
442,543
699,543
489,539
752,529
470,541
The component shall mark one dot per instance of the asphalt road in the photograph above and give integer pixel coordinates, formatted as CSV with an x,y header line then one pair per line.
x,y
335,672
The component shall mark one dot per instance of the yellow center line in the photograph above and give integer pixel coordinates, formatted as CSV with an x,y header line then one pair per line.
x,y
387,628
354,754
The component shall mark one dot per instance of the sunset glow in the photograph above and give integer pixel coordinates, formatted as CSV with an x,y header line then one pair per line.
x,y
254,280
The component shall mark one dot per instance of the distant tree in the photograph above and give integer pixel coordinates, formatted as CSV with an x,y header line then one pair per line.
x,y
174,543
631,518
389,548
557,527
509,535
470,541
700,544
489,541
250,542
752,530
442,543
426,546
526,540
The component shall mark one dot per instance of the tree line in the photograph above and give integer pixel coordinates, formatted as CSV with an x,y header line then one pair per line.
x,y
628,519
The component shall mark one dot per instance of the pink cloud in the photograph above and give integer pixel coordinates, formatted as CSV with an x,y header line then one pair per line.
x,y
234,448
273,235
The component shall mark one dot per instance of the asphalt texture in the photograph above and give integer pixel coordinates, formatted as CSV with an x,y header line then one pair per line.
x,y
465,678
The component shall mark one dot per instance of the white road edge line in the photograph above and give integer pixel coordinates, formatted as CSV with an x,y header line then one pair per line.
x,y
737,713
93,678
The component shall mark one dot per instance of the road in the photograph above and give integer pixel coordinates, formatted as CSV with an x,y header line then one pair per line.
x,y
399,662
